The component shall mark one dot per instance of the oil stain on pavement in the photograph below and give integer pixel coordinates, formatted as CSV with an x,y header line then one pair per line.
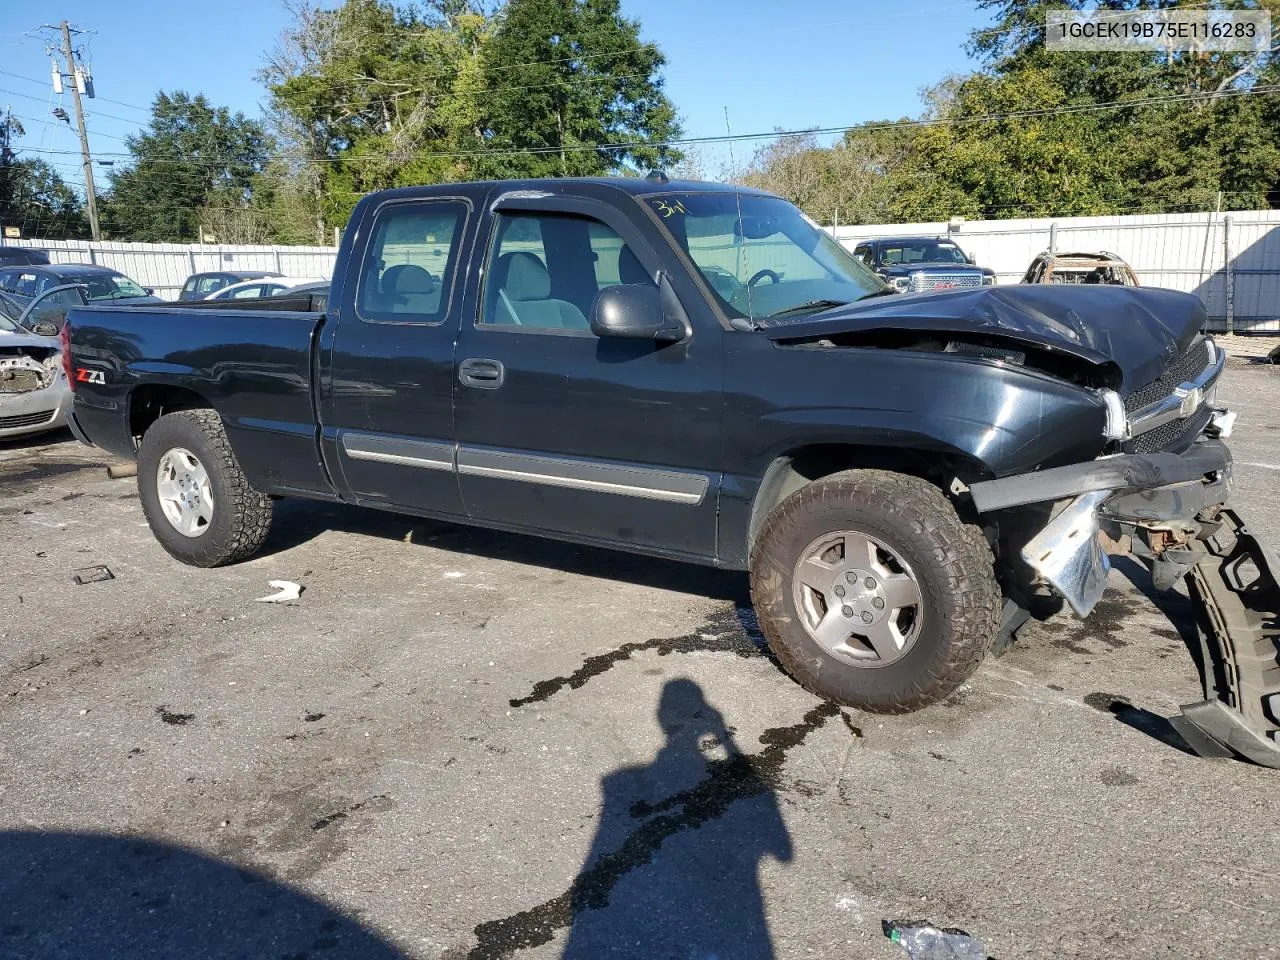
x,y
727,631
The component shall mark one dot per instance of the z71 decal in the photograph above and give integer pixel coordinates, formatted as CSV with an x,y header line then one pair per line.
x,y
90,376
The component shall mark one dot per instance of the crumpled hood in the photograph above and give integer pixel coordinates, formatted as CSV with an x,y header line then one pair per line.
x,y
1141,330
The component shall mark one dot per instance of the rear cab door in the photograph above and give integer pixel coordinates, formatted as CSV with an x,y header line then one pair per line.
x,y
386,354
599,439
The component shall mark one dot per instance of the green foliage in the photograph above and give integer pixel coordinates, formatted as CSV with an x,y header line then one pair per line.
x,y
565,74
370,95
1061,148
33,197
191,155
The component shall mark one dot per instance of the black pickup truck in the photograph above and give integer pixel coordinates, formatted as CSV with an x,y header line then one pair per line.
x,y
693,371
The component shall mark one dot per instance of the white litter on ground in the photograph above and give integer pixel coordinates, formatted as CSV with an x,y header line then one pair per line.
x,y
288,590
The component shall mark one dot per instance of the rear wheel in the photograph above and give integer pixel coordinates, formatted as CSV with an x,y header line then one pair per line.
x,y
872,592
196,498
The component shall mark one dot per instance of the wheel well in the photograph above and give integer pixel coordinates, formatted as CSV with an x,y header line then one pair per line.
x,y
800,467
152,401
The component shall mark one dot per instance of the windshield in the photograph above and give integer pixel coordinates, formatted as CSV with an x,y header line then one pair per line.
x,y
922,251
760,255
109,286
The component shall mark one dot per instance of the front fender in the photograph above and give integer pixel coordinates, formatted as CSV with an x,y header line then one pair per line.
x,y
1000,418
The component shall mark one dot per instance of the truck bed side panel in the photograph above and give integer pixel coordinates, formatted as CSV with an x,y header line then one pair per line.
x,y
252,366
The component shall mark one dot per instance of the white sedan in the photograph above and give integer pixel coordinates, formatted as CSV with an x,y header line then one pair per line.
x,y
262,287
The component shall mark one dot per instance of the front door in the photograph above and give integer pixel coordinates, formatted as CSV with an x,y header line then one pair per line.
x,y
387,359
559,430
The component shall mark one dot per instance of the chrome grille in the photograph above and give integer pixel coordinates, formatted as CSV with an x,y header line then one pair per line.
x,y
1184,369
1174,436
932,281
1170,412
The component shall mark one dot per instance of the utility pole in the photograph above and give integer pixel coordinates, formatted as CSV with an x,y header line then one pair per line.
x,y
75,78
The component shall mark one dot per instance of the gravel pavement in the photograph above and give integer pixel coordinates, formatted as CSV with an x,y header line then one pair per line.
x,y
464,744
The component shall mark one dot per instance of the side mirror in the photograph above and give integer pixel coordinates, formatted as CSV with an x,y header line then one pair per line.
x,y
149,291
45,328
635,311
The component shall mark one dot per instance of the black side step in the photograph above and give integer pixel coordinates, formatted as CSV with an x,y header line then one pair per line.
x,y
1237,599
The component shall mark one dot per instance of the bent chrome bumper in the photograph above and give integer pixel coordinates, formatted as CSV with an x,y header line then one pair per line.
x,y
1068,554
1137,494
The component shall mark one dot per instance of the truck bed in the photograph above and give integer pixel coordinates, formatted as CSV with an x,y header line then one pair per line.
x,y
253,366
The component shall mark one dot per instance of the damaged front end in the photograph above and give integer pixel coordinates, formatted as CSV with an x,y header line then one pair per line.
x,y
23,369
1165,501
34,393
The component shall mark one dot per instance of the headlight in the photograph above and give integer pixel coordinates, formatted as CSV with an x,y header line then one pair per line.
x,y
902,284
1117,425
988,281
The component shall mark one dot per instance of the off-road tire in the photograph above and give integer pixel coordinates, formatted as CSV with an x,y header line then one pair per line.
x,y
241,515
952,563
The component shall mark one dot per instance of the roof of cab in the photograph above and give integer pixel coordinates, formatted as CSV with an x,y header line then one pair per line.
x,y
635,186
75,269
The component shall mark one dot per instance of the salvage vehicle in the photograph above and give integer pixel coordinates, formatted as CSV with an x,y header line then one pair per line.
x,y
21,255
912,264
257,289
199,286
697,372
100,283
35,395
1100,267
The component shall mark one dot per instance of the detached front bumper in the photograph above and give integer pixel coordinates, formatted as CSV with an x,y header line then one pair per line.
x,y
1133,494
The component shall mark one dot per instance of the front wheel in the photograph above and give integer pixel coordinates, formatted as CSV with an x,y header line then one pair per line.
x,y
196,498
872,592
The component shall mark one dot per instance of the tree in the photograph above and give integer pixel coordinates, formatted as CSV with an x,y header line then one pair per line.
x,y
790,166
850,182
192,155
1067,150
367,96
1036,132
571,90
33,197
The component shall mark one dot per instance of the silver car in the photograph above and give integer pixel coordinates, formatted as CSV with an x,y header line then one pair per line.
x,y
34,393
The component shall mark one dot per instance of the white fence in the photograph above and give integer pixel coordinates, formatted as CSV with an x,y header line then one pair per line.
x,y
1231,261
164,267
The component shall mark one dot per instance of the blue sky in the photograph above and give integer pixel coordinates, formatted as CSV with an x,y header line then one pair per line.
x,y
790,65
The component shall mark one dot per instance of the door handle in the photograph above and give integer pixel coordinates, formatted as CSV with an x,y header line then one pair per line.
x,y
481,373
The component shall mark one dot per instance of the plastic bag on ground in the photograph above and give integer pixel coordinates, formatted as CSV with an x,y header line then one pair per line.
x,y
923,941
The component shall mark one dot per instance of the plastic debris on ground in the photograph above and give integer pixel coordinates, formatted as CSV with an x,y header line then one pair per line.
x,y
97,574
287,590
923,941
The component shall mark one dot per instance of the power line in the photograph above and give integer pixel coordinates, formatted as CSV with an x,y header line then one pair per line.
x,y
41,83
1161,100
96,113
59,126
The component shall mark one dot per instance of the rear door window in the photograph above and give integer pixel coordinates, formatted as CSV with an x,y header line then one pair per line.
x,y
410,264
